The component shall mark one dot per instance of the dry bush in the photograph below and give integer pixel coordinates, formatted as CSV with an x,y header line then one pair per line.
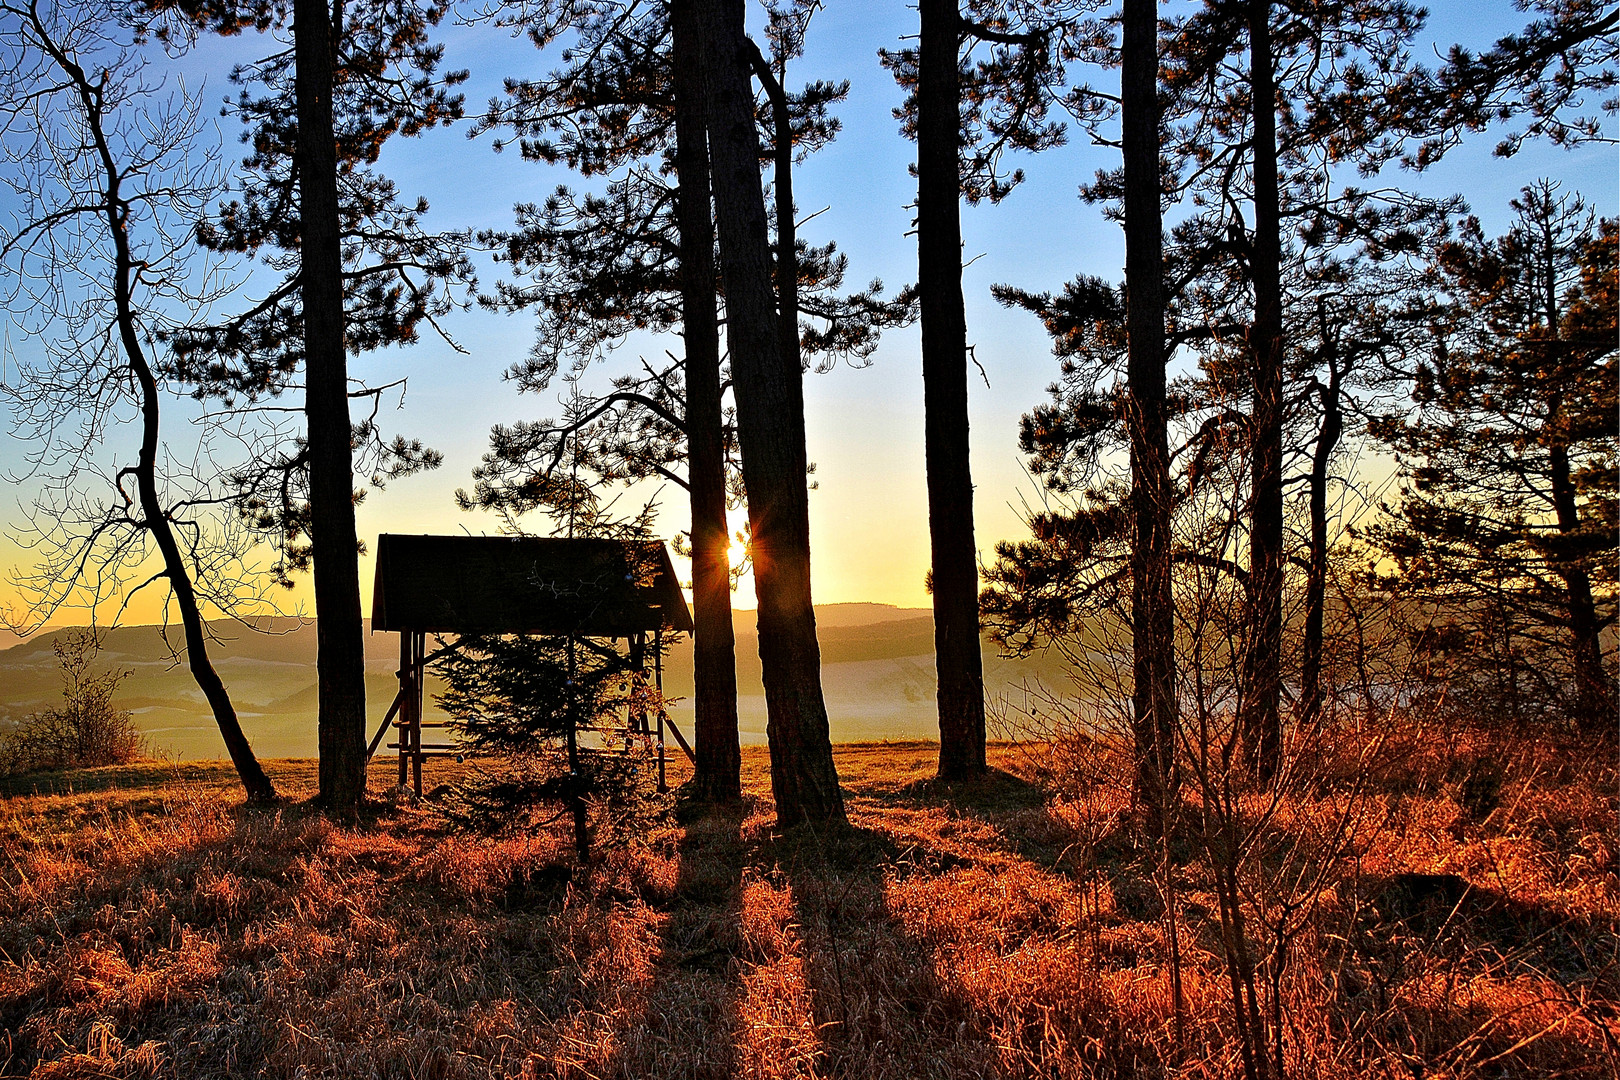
x,y
86,730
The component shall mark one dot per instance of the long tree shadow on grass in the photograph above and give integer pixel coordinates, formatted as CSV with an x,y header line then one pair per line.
x,y
998,791
685,1028
836,979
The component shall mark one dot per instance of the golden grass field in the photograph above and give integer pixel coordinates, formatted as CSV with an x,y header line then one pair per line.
x,y
152,926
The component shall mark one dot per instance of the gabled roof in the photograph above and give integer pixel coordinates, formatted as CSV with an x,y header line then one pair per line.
x,y
524,584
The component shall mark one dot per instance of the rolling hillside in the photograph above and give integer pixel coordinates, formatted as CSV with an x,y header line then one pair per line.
x,y
878,676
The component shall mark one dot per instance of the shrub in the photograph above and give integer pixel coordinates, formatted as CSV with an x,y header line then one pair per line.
x,y
523,703
86,729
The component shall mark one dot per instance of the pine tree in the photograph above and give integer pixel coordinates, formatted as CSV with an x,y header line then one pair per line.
x,y
640,256
1266,101
964,119
566,717
1339,241
770,432
361,274
717,775
1507,514
1152,494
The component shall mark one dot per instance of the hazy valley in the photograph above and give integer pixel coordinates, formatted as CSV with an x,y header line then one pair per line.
x,y
878,676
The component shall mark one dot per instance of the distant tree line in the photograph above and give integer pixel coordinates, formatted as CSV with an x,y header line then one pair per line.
x,y
1280,315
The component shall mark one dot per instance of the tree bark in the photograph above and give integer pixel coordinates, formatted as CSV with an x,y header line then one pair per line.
x,y
1259,714
787,229
770,429
1152,606
254,781
155,519
718,774
1327,441
340,658
1594,703
955,574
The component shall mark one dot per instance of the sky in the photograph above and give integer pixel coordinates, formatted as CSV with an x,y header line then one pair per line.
x,y
869,536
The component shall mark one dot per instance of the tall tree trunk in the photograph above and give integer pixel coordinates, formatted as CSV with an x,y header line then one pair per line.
x,y
1259,712
576,788
156,520
1327,442
770,429
955,573
340,658
787,229
718,775
1152,607
1594,701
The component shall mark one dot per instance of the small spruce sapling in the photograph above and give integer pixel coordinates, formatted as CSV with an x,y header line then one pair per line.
x,y
565,722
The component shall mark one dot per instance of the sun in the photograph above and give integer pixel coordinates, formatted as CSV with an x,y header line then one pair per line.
x,y
737,553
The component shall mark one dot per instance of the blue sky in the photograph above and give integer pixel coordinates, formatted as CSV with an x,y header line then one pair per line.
x,y
869,513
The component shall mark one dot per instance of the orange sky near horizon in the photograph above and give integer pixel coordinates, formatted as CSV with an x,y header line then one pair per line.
x,y
888,573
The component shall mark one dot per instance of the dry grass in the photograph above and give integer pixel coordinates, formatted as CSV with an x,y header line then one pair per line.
x,y
150,926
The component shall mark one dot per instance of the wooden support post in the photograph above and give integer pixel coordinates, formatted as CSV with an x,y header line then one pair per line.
x,y
658,684
418,677
382,729
406,699
680,740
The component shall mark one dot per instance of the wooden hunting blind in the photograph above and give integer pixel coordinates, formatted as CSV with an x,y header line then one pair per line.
x,y
587,587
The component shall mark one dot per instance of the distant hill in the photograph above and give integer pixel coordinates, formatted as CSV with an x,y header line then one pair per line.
x,y
860,614
877,674
285,639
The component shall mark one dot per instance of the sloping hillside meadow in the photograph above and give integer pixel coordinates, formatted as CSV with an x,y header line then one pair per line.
x,y
150,926
878,676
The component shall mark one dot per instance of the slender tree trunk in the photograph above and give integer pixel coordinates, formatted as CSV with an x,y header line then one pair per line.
x,y
1594,702
257,785
770,428
955,575
787,229
1240,970
1152,607
718,775
1327,442
1259,711
340,659
254,781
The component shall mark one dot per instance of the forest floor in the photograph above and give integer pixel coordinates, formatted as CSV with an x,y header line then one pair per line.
x,y
150,925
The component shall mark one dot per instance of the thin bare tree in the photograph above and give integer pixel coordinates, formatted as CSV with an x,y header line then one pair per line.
x,y
109,171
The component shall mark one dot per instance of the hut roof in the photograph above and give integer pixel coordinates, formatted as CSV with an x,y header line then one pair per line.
x,y
536,585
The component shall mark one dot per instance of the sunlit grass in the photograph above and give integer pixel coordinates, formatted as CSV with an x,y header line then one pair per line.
x,y
151,926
